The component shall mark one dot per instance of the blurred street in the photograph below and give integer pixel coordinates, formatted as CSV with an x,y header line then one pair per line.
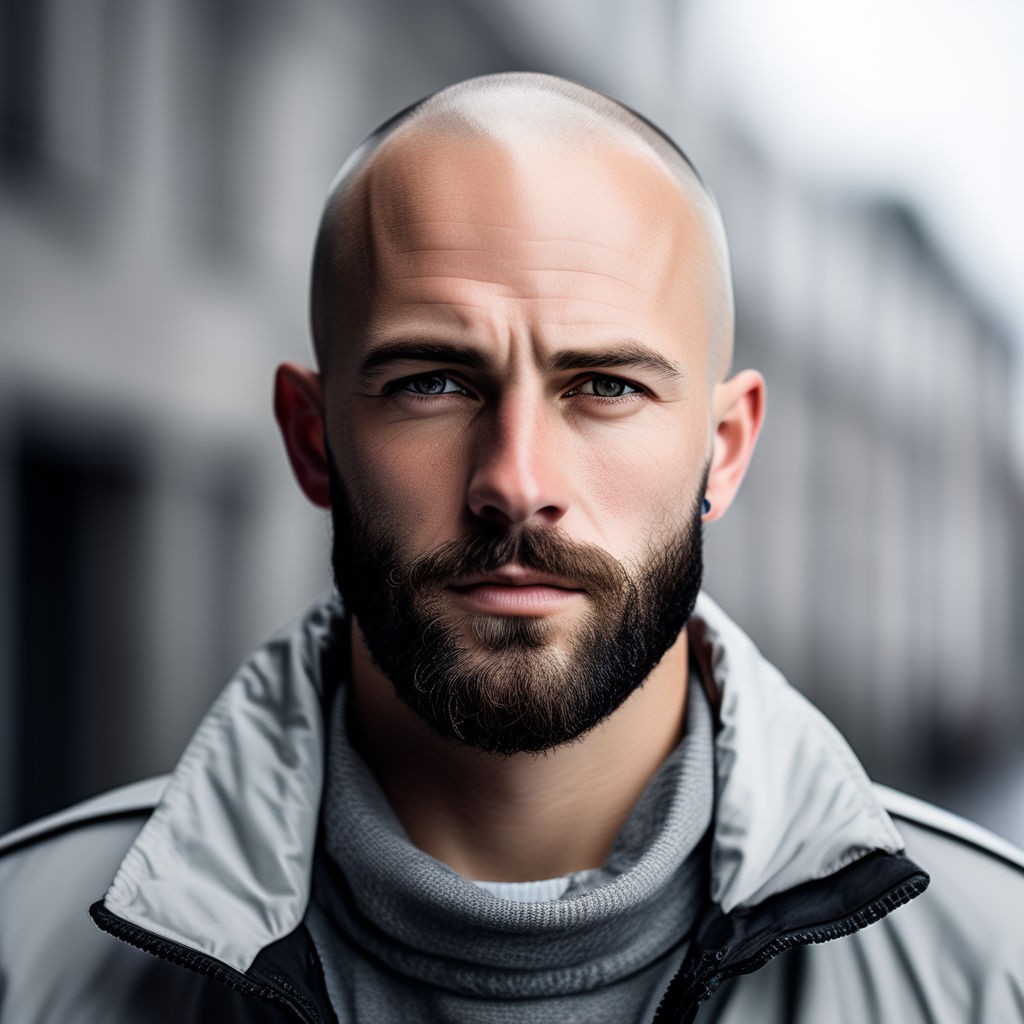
x,y
162,167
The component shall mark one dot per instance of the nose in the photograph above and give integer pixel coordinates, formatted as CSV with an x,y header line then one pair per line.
x,y
518,474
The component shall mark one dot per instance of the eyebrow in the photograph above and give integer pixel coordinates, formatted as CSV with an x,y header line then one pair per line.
x,y
426,352
623,356
626,355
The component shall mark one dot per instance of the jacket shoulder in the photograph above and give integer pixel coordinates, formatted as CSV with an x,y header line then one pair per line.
x,y
970,917
920,818
52,956
957,951
55,964
953,955
133,800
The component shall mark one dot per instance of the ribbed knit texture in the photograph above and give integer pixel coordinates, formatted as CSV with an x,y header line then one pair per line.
x,y
402,937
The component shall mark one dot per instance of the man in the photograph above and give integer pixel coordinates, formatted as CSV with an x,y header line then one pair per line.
x,y
522,772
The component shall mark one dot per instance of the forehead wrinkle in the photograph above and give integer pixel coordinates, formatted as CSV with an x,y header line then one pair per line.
x,y
599,325
576,241
500,284
500,250
449,221
593,273
507,227
443,302
521,263
525,298
457,277
568,299
453,248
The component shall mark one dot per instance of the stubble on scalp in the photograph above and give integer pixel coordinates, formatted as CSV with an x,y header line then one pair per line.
x,y
514,110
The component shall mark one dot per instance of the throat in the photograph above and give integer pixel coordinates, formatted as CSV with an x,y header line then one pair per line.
x,y
519,817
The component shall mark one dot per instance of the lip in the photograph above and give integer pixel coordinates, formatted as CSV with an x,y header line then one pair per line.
x,y
515,576
514,590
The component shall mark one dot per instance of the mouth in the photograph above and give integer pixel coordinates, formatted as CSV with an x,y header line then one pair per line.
x,y
515,590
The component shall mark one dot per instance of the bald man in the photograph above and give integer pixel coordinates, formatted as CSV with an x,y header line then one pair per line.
x,y
518,768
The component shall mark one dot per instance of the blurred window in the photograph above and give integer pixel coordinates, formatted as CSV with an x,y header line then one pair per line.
x,y
55,92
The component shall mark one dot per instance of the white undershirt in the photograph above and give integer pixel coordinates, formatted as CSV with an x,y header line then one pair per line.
x,y
534,892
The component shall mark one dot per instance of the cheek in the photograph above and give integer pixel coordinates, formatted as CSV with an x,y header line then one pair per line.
x,y
412,478
642,483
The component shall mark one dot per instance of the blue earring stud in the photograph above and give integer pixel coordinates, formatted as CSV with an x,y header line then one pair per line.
x,y
706,507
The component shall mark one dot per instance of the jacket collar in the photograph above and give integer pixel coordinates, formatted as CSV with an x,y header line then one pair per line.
x,y
792,802
223,865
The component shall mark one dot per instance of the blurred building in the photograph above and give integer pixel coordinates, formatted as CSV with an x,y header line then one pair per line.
x,y
161,170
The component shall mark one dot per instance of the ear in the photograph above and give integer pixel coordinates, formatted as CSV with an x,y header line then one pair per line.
x,y
737,408
299,408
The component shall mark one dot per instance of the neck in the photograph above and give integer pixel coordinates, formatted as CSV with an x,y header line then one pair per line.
x,y
522,817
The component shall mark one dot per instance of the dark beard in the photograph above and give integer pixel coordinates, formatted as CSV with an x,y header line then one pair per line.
x,y
497,682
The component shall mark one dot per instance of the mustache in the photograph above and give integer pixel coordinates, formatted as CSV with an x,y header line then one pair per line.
x,y
543,549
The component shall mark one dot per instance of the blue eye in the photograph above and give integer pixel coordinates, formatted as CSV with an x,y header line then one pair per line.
x,y
429,384
607,387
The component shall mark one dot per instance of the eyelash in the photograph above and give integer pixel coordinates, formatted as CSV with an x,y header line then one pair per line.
x,y
635,393
397,386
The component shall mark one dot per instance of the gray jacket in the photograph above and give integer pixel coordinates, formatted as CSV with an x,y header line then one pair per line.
x,y
811,866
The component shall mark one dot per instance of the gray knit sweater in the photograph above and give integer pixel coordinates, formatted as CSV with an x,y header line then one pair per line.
x,y
402,937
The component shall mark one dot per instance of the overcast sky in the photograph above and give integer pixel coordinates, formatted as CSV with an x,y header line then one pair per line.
x,y
920,101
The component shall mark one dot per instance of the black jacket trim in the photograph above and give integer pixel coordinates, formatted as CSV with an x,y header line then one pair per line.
x,y
727,945
291,960
264,985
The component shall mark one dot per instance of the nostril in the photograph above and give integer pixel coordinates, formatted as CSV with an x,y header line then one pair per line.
x,y
494,514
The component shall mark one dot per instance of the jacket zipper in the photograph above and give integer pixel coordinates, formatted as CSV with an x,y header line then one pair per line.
x,y
285,996
681,1000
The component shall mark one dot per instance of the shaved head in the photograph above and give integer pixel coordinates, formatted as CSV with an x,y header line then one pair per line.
x,y
511,126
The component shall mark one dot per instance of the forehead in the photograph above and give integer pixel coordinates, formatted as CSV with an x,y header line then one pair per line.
x,y
588,224
428,188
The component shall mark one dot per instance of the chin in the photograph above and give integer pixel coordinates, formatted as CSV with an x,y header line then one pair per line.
x,y
505,632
